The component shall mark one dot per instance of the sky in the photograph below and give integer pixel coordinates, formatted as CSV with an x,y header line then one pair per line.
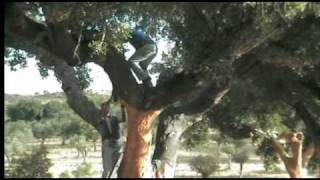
x,y
28,81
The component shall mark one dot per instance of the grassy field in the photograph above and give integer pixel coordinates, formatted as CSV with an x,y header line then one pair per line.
x,y
65,158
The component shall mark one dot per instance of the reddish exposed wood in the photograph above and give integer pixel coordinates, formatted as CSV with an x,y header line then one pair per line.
x,y
292,163
138,141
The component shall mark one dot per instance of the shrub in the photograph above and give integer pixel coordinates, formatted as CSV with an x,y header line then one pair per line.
x,y
17,136
25,109
84,170
205,165
34,165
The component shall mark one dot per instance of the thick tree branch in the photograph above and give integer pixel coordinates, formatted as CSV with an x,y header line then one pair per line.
x,y
86,109
123,82
36,35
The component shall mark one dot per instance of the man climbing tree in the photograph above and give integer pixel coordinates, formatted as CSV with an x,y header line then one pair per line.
x,y
146,50
111,139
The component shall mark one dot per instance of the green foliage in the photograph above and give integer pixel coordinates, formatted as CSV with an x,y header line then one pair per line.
x,y
197,134
241,156
25,110
45,129
69,128
34,165
83,171
91,134
205,165
242,151
268,154
97,99
80,143
17,136
52,109
43,70
65,174
83,76
15,58
229,149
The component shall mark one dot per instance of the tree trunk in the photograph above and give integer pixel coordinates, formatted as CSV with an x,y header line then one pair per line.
x,y
94,146
167,144
84,155
137,149
42,141
8,158
293,164
63,141
229,161
241,168
309,112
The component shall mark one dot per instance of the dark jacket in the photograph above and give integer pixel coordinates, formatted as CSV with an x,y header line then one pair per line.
x,y
139,38
115,135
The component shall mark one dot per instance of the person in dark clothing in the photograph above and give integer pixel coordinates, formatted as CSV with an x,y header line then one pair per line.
x,y
111,142
146,50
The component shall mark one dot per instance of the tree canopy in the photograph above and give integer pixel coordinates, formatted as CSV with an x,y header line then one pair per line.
x,y
262,57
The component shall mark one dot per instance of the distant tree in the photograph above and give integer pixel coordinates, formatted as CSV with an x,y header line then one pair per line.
x,y
17,136
79,142
241,156
34,165
25,109
229,150
195,135
52,109
45,129
205,165
70,125
91,134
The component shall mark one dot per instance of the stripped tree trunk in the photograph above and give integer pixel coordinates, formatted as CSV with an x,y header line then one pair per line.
x,y
137,149
292,163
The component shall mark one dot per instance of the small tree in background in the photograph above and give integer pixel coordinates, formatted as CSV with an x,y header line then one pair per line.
x,y
205,165
53,109
70,126
241,156
34,165
91,134
45,129
80,143
229,150
268,155
17,136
